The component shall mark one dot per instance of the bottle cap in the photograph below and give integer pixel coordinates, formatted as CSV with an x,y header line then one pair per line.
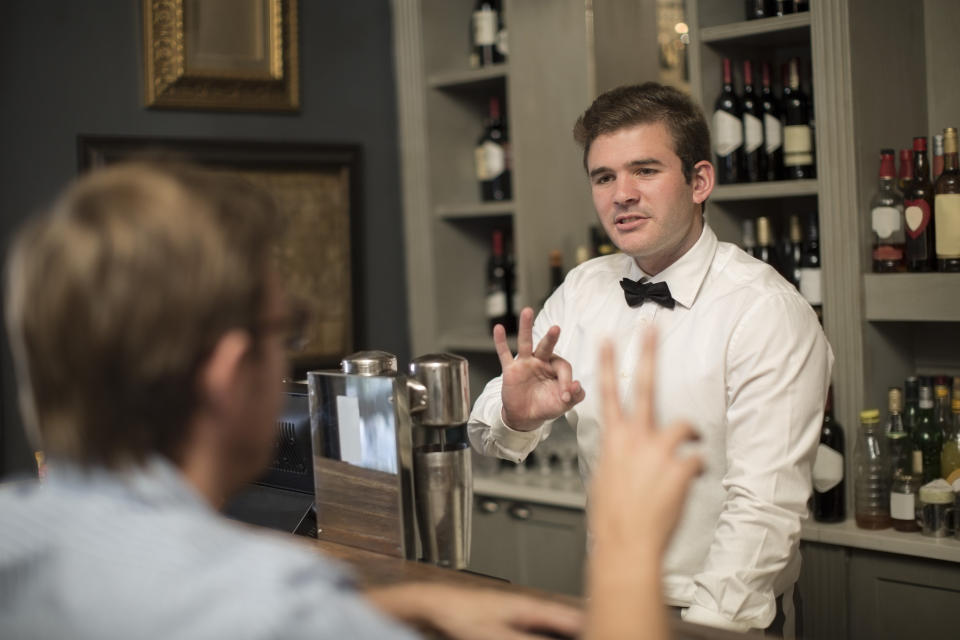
x,y
895,399
887,169
906,163
870,416
919,143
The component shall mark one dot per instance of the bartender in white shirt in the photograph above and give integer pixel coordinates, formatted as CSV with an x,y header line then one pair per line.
x,y
740,355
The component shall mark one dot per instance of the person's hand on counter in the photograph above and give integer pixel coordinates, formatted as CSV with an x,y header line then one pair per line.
x,y
538,385
476,614
636,497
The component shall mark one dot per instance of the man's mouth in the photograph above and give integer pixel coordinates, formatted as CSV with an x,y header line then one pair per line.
x,y
627,221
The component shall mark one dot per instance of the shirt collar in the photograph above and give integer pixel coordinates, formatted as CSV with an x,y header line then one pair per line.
x,y
686,275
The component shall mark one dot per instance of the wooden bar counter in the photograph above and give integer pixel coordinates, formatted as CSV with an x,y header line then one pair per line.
x,y
374,569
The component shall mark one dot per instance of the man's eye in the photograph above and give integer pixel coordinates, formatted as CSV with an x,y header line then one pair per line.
x,y
645,171
604,179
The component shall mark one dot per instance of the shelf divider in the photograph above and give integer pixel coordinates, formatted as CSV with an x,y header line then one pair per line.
x,y
913,297
764,190
467,77
763,29
460,210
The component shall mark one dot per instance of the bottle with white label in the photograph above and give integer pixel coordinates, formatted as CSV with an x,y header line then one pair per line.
x,y
772,126
728,131
492,157
947,206
811,277
484,29
798,159
886,220
918,212
499,299
903,502
754,156
828,469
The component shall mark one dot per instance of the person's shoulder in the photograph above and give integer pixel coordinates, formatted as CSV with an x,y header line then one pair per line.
x,y
599,268
739,271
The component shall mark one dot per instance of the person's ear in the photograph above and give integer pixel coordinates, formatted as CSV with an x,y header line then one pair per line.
x,y
703,180
221,374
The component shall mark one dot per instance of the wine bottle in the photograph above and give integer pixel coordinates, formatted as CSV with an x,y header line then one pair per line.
x,y
485,22
905,171
754,152
748,237
499,296
911,404
794,256
811,287
798,158
492,157
886,218
919,248
937,156
766,251
927,439
759,9
898,440
772,126
728,131
828,469
946,204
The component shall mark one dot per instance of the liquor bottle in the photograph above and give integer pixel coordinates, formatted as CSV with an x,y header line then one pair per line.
x,y
871,482
798,161
748,237
898,441
759,9
937,156
903,501
810,274
492,157
828,485
772,126
927,439
886,216
485,23
919,248
499,300
911,406
946,204
794,259
766,251
905,170
950,453
728,131
754,152
941,409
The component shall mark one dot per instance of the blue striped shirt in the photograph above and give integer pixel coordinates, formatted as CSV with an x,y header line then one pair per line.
x,y
139,554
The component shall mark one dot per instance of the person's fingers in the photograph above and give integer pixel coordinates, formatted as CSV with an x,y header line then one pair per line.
x,y
503,349
545,347
564,373
609,398
525,333
539,615
645,399
577,394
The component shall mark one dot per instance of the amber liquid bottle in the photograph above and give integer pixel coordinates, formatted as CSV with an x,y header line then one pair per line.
x,y
873,474
918,213
946,203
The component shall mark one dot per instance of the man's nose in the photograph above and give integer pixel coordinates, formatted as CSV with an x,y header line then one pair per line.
x,y
626,194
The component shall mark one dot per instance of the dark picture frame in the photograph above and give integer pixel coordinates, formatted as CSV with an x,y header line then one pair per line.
x,y
317,188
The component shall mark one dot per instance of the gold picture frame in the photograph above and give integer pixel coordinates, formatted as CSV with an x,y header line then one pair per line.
x,y
237,55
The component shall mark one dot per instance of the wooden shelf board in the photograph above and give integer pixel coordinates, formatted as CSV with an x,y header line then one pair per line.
x,y
467,77
912,297
474,209
764,190
790,29
847,534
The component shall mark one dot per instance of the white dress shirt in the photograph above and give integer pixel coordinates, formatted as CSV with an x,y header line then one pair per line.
x,y
741,357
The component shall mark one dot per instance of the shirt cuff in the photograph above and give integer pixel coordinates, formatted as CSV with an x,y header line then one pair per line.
x,y
515,443
700,615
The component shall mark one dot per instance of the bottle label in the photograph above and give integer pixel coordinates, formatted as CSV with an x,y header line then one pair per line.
x,y
810,285
917,462
827,468
797,145
753,132
902,506
490,159
887,223
917,216
728,133
484,28
947,206
772,133
496,304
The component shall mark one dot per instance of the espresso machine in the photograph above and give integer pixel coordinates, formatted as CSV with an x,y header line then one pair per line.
x,y
382,469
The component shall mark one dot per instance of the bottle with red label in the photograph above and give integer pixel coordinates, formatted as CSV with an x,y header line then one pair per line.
x,y
920,251
886,219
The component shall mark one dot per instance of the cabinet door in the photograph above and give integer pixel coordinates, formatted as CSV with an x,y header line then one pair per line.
x,y
898,597
493,547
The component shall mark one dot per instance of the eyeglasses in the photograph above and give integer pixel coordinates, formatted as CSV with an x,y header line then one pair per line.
x,y
294,325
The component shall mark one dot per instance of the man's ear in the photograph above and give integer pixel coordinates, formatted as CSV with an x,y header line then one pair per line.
x,y
221,373
703,180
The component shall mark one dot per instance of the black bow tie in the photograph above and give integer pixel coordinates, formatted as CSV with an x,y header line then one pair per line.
x,y
638,291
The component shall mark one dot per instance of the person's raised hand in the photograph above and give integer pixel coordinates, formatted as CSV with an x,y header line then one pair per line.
x,y
538,385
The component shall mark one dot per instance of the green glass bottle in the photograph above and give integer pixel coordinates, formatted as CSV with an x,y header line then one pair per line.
x,y
927,439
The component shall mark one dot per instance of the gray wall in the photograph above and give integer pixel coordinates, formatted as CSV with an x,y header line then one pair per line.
x,y
70,67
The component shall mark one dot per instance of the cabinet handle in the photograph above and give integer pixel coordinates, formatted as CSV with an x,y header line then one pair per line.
x,y
489,506
520,512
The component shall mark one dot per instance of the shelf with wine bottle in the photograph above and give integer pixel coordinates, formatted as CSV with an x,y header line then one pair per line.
x,y
764,190
458,78
779,31
911,297
469,210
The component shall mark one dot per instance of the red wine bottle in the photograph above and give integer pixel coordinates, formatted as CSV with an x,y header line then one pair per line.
x,y
772,126
918,213
492,156
828,469
798,159
499,299
754,152
485,26
728,131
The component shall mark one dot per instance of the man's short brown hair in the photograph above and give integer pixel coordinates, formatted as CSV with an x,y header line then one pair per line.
x,y
116,298
632,105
